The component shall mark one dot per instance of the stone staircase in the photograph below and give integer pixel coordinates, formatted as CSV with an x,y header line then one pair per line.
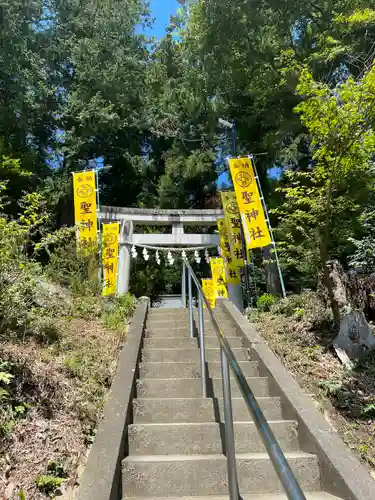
x,y
176,441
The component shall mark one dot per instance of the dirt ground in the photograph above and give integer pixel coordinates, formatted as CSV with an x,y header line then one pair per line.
x,y
346,398
62,387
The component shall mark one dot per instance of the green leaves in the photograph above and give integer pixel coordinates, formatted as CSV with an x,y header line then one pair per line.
x,y
5,378
321,206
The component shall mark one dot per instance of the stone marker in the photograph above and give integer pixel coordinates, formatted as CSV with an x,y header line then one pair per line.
x,y
355,336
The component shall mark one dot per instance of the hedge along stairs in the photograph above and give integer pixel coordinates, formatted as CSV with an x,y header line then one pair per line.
x,y
175,438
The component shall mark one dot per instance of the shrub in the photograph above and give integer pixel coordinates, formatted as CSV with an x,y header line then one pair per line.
x,y
74,270
20,274
118,311
48,484
11,409
265,302
289,305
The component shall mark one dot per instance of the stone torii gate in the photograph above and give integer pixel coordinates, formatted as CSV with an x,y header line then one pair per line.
x,y
177,219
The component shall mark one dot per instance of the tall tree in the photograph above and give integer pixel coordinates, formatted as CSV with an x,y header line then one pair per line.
x,y
322,205
28,99
183,122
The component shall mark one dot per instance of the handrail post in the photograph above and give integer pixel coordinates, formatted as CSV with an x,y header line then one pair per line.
x,y
201,345
183,285
229,431
190,304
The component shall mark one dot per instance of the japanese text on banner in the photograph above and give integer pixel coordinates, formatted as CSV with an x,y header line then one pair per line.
x,y
110,238
249,203
85,216
209,292
232,272
233,224
218,277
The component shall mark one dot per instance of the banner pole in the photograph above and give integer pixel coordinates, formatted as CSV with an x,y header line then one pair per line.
x,y
247,297
269,227
99,226
254,276
120,227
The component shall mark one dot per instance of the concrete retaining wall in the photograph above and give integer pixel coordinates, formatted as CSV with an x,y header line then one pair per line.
x,y
342,474
101,479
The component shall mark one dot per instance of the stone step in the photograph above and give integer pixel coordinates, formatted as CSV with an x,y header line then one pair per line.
x,y
183,314
220,319
178,324
270,406
167,332
185,332
169,388
209,321
190,387
181,311
259,386
206,438
188,355
156,311
164,410
229,331
186,342
183,475
206,314
154,370
166,322
312,495
249,369
190,370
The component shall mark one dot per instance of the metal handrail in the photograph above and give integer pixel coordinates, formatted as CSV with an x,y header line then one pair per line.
x,y
281,466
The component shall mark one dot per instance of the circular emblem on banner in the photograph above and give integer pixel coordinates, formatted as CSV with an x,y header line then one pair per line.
x,y
243,179
84,191
110,239
209,289
231,208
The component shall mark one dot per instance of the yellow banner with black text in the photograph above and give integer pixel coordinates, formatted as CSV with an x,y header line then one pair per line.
x,y
249,203
110,244
233,225
209,292
232,271
85,216
218,277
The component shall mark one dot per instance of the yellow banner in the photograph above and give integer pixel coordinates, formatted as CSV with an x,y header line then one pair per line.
x,y
85,216
218,277
224,238
233,224
248,198
110,239
209,292
231,270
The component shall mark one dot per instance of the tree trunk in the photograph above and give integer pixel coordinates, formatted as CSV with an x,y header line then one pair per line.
x,y
337,284
332,281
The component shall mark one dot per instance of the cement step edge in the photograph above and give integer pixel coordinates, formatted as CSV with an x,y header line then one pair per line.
x,y
312,495
199,409
206,437
168,475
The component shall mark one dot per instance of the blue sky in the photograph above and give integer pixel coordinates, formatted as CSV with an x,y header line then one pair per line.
x,y
161,10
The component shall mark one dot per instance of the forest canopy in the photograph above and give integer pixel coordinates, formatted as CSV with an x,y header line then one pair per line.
x,y
82,85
